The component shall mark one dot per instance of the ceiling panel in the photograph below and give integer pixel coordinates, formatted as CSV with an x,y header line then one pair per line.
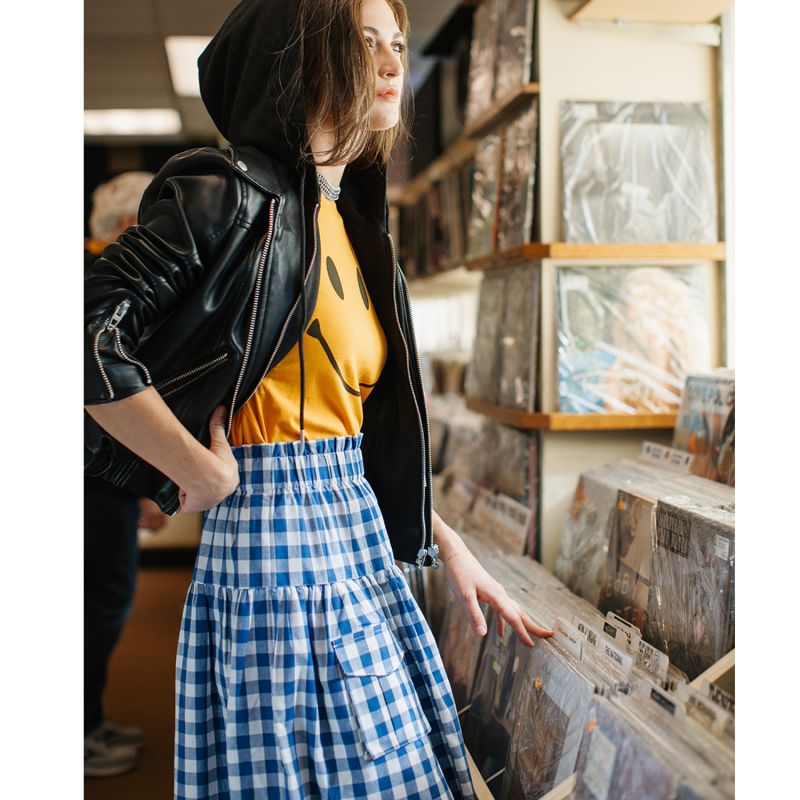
x,y
126,65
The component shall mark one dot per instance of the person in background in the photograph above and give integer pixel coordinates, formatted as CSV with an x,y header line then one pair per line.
x,y
111,519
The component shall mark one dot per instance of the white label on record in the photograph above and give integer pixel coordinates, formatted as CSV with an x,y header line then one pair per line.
x,y
616,655
722,547
599,764
676,460
591,635
653,661
569,637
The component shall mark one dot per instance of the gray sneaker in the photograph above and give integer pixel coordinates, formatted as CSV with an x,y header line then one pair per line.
x,y
117,735
100,760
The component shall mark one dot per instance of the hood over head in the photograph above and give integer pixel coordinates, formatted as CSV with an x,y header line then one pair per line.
x,y
245,74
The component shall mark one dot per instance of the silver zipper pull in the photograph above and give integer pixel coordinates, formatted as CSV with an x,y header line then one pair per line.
x,y
119,312
421,553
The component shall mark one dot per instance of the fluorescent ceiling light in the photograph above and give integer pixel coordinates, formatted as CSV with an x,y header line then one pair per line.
x,y
182,54
131,121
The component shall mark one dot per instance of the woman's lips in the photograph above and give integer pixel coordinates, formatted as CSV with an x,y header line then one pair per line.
x,y
390,96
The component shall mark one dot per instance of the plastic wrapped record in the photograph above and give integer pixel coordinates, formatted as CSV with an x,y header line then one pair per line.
x,y
615,761
583,550
481,379
488,721
628,336
519,338
482,59
506,454
485,190
517,192
626,587
460,647
553,701
692,593
705,426
637,172
515,57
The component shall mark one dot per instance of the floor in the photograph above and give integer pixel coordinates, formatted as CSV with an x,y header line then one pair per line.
x,y
141,684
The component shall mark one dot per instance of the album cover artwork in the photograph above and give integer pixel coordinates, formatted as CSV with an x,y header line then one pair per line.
x,y
637,172
628,336
553,700
626,587
705,425
615,761
692,599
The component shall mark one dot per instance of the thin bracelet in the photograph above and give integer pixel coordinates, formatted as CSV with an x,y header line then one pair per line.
x,y
453,555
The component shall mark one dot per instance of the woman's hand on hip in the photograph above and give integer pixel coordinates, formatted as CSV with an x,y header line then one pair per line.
x,y
471,584
218,476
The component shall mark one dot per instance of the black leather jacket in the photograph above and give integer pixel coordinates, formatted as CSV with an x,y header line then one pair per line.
x,y
203,297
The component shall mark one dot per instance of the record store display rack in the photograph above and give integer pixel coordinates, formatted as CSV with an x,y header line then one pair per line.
x,y
576,167
580,174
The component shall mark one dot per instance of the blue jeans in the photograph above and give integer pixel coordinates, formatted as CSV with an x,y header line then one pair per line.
x,y
110,561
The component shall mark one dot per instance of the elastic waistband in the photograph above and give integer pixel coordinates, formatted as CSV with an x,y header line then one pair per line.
x,y
265,468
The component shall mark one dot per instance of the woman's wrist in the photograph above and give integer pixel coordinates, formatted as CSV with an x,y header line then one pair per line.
x,y
450,543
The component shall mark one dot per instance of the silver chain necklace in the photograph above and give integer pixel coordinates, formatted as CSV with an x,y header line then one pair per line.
x,y
331,192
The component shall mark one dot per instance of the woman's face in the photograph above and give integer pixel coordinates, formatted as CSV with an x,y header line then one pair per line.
x,y
386,44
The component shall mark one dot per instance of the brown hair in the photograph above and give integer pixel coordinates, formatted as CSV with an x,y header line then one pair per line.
x,y
332,45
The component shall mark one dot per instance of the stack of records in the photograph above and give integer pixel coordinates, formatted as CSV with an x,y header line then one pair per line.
x,y
705,426
515,47
482,59
637,172
519,340
628,336
693,588
485,192
482,375
504,361
517,195
656,548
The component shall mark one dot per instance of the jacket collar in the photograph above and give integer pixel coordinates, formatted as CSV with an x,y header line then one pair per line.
x,y
363,198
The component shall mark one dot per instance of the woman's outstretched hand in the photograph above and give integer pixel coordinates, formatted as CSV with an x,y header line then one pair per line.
x,y
471,584
219,474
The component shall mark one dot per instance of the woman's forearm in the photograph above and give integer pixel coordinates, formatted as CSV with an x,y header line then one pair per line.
x,y
448,540
145,425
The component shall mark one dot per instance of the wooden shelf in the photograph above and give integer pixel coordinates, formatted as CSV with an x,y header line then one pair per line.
x,y
461,150
721,672
671,11
536,251
530,420
489,120
563,790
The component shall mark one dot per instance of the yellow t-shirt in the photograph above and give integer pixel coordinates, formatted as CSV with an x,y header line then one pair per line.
x,y
344,351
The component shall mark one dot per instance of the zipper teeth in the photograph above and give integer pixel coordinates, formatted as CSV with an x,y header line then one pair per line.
x,y
198,373
292,310
260,274
189,372
410,383
428,467
125,357
98,360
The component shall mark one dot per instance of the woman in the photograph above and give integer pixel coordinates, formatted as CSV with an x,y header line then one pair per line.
x,y
305,668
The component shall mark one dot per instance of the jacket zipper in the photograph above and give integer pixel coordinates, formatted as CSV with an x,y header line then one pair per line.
x,y
111,325
196,371
291,312
256,295
433,549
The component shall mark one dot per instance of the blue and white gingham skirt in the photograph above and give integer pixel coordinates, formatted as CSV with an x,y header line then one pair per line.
x,y
305,667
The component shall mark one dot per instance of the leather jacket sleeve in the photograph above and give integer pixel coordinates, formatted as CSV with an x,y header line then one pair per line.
x,y
185,216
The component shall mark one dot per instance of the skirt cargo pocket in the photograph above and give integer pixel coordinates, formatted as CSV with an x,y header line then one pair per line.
x,y
382,696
